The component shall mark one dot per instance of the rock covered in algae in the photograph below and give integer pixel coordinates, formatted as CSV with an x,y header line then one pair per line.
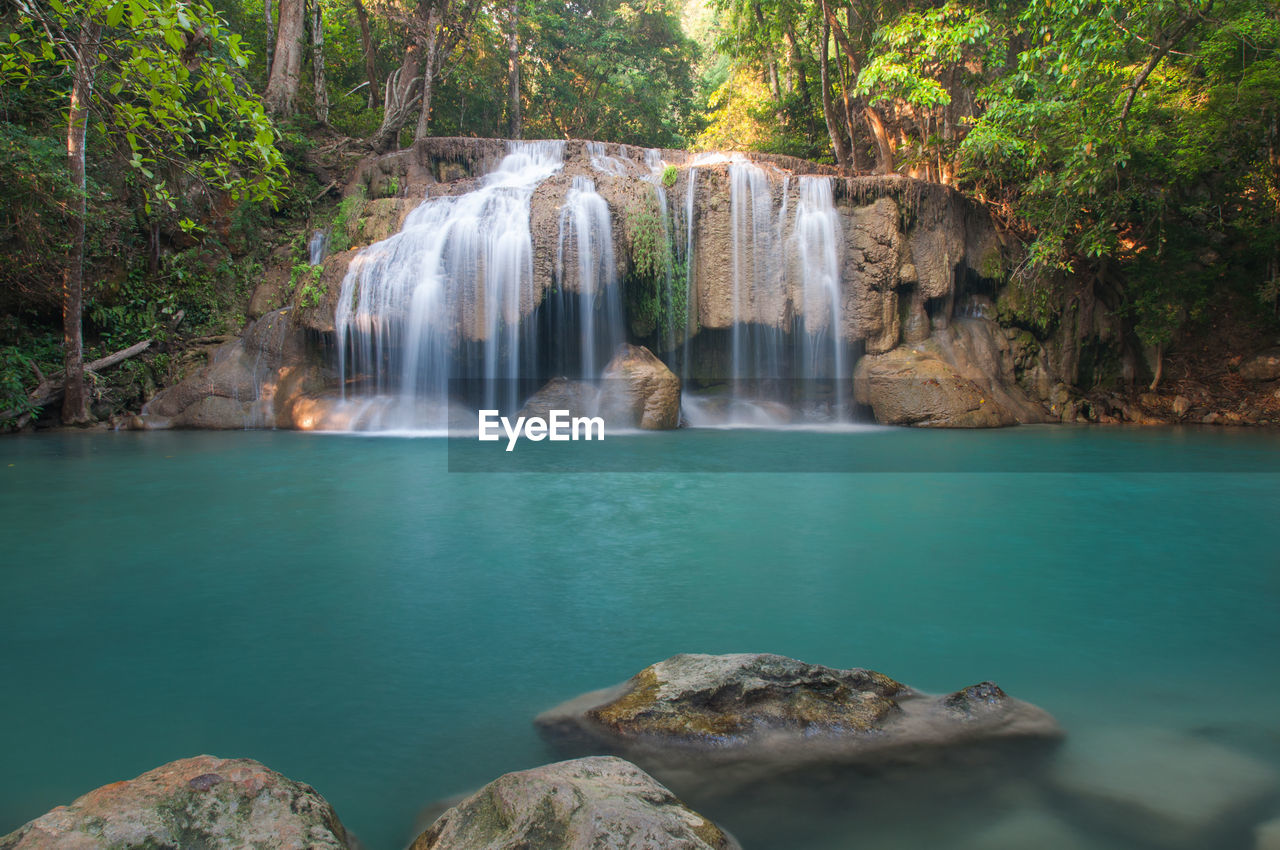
x,y
205,802
761,706
597,803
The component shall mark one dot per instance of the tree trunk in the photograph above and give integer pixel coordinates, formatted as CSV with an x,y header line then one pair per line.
x,y
515,124
401,96
884,151
1155,380
317,62
271,34
75,403
430,67
366,44
281,95
838,144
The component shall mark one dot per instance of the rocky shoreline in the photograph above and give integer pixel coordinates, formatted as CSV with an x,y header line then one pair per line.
x,y
797,729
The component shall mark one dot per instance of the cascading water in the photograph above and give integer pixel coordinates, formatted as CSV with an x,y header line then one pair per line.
x,y
783,360
816,247
445,296
756,346
588,288
453,295
318,247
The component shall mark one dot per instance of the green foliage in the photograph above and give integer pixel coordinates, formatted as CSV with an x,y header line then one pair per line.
x,y
614,70
1133,164
167,96
657,288
346,221
304,279
669,176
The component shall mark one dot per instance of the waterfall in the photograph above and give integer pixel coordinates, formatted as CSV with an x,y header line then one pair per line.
x,y
816,248
453,295
788,354
412,307
756,341
690,192
596,306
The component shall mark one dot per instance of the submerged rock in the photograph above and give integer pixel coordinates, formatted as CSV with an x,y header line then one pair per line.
x,y
1033,828
772,708
203,802
599,803
1162,788
639,391
1267,836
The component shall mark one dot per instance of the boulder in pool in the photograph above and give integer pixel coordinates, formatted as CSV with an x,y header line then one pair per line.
x,y
206,802
598,803
639,391
1161,788
764,707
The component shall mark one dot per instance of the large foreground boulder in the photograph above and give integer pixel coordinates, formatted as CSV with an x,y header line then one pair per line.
x,y
204,802
599,803
769,708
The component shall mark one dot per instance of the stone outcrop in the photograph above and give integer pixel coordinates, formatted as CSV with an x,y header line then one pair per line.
x,y
251,382
639,391
768,708
960,377
1162,789
599,803
205,802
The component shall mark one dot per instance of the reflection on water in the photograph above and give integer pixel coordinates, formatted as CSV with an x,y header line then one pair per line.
x,y
353,615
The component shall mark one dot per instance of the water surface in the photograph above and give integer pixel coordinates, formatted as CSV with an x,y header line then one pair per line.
x,y
350,613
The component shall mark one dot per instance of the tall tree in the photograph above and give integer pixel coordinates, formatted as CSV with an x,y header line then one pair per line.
x,y
317,62
281,96
161,78
514,125
434,29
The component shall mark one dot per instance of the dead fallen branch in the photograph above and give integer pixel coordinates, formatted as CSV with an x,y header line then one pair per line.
x,y
50,390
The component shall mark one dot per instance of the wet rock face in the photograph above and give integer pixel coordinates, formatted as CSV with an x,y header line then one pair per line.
x,y
776,708
203,802
599,803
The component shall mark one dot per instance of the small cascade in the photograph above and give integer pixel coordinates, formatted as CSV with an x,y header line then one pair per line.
x,y
318,247
601,160
445,296
588,289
